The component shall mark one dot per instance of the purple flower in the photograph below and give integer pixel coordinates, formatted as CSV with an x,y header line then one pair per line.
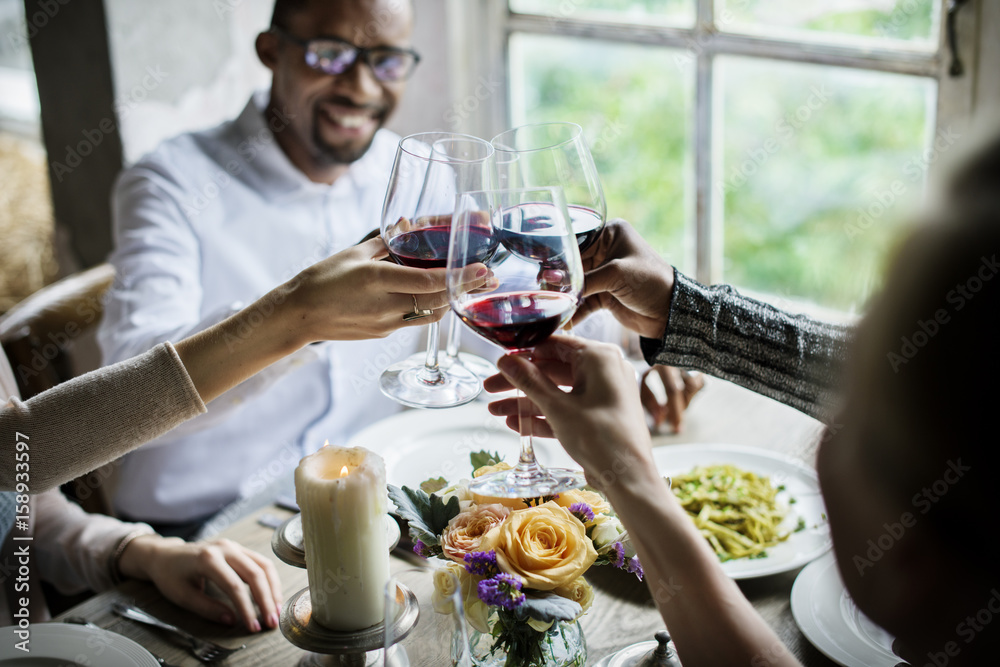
x,y
483,563
619,560
582,511
635,567
421,549
502,590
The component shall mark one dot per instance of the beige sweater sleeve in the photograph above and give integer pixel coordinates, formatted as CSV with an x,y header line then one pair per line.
x,y
93,419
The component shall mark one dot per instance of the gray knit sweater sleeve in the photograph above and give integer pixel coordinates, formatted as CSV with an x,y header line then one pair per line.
x,y
93,419
791,358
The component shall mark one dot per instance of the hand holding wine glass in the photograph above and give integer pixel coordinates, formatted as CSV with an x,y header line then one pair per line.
x,y
535,289
431,168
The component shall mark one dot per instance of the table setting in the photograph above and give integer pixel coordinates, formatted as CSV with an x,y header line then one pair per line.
x,y
406,545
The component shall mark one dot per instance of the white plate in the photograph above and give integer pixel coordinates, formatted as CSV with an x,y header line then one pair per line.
x,y
418,445
829,619
58,644
800,483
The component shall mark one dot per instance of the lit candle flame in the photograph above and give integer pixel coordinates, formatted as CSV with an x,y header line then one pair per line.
x,y
344,471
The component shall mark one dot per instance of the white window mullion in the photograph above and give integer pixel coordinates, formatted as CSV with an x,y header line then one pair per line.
x,y
708,237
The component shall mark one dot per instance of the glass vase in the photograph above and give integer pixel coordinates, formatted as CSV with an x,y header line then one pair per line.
x,y
563,645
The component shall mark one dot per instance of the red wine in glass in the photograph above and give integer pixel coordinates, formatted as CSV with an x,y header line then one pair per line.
x,y
528,232
587,225
519,320
427,247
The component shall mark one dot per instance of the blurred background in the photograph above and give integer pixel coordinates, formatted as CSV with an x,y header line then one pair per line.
x,y
774,144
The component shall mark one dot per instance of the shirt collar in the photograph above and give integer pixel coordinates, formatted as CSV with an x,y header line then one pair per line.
x,y
284,179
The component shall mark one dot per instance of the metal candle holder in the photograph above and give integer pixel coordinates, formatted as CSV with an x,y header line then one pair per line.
x,y
357,648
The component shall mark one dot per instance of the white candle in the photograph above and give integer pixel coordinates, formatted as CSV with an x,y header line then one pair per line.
x,y
342,494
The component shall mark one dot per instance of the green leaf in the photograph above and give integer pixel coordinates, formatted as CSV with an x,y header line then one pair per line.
x,y
484,458
433,485
548,606
427,515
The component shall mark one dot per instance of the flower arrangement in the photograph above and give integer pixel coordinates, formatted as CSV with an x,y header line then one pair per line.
x,y
519,562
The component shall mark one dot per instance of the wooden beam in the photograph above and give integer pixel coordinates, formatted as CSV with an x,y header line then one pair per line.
x,y
69,45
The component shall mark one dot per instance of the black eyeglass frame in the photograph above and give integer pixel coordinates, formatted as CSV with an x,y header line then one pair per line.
x,y
360,53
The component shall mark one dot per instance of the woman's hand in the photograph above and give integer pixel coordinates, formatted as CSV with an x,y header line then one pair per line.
x,y
600,421
679,387
181,570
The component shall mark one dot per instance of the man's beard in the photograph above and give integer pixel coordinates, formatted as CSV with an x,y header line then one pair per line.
x,y
333,155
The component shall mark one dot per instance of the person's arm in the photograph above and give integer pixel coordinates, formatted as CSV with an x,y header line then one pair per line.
x,y
76,551
791,358
91,420
600,423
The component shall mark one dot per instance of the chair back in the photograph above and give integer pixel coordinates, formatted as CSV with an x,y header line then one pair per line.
x,y
39,333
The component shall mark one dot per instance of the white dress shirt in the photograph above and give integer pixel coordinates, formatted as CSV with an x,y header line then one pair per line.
x,y
207,223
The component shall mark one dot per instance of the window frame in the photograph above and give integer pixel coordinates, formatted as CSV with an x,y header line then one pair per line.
x,y
480,31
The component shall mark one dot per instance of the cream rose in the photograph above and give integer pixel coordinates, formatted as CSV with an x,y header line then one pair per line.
x,y
596,501
466,530
579,591
606,530
546,545
451,578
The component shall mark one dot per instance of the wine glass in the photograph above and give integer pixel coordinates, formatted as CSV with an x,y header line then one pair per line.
x,y
435,598
535,288
549,155
431,168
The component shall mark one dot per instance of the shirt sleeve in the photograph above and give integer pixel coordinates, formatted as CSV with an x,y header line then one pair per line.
x,y
93,419
791,358
75,550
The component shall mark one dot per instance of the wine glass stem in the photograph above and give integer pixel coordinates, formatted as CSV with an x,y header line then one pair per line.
x,y
430,373
527,464
454,336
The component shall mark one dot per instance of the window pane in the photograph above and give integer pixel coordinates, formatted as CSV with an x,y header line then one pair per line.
x,y
911,21
819,165
663,12
635,106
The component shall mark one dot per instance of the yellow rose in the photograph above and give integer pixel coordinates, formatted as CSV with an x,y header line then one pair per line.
x,y
513,503
546,545
596,501
579,591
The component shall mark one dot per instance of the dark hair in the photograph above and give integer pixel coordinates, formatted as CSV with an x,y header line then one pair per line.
x,y
284,9
927,355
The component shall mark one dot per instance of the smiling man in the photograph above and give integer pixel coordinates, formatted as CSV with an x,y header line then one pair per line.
x,y
213,219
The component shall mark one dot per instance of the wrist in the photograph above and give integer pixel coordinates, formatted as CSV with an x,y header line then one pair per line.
x,y
131,558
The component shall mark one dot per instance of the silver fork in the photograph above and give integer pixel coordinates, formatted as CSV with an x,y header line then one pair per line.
x,y
202,649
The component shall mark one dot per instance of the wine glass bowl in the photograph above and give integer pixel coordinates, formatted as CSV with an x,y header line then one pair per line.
x,y
555,154
534,289
430,169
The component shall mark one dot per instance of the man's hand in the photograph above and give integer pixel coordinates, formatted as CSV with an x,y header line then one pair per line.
x,y
679,387
626,276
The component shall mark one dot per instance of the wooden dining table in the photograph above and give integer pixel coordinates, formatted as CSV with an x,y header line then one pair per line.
x,y
622,613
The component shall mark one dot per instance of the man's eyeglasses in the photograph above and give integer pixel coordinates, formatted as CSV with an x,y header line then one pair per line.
x,y
335,56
